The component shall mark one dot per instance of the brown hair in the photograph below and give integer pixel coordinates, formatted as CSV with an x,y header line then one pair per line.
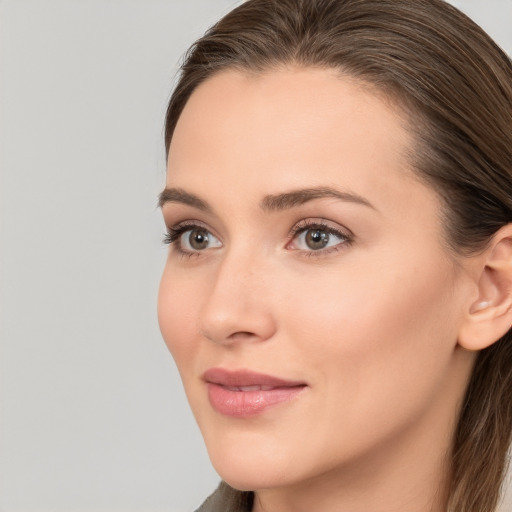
x,y
456,86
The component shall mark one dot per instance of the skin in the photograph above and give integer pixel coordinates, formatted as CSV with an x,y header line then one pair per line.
x,y
371,325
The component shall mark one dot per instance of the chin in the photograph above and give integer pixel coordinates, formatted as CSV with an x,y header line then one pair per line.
x,y
249,465
251,477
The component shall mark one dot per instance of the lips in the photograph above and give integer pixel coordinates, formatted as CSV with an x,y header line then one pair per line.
x,y
243,393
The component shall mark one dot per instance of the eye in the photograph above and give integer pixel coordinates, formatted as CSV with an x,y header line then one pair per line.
x,y
317,238
192,239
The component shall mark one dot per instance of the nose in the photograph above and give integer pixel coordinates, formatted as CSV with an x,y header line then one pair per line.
x,y
238,307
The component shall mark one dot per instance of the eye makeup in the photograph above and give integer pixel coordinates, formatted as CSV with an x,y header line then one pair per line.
x,y
312,237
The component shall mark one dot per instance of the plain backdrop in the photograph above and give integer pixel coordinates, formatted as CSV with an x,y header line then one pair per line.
x,y
93,417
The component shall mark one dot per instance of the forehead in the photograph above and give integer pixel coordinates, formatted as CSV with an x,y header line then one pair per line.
x,y
286,129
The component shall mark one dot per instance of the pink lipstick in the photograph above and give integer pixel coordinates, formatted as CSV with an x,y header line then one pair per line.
x,y
243,393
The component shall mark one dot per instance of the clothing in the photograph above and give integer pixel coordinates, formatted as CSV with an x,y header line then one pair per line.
x,y
227,499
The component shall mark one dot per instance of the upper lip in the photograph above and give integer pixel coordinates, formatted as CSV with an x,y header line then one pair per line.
x,y
240,378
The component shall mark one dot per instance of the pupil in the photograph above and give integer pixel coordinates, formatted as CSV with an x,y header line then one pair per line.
x,y
198,239
317,239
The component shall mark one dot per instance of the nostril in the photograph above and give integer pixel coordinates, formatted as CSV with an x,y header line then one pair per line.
x,y
241,335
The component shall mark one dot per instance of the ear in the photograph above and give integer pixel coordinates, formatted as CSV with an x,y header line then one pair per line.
x,y
489,317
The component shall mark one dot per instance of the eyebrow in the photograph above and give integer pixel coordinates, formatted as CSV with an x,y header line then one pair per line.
x,y
178,195
276,202
298,197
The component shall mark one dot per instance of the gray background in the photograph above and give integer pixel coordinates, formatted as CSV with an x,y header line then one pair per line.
x,y
93,417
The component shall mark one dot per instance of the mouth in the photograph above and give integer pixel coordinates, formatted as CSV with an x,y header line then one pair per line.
x,y
243,394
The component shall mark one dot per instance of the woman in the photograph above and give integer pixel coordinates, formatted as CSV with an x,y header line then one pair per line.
x,y
338,291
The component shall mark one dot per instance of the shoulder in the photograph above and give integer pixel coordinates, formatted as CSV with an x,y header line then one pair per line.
x,y
227,499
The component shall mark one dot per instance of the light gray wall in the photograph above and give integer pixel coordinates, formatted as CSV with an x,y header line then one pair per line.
x,y
93,417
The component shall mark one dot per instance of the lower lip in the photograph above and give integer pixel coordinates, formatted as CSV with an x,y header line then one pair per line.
x,y
244,404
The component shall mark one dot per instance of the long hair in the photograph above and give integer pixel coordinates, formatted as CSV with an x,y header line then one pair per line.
x,y
455,84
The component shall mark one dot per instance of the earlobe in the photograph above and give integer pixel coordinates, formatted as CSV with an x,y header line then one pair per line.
x,y
480,306
489,317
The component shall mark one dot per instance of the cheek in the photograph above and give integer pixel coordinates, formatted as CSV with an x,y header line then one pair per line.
x,y
362,305
177,317
380,337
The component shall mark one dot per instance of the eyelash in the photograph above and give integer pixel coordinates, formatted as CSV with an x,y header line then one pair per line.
x,y
310,224
174,233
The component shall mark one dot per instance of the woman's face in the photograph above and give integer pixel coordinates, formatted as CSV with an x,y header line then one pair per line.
x,y
308,298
